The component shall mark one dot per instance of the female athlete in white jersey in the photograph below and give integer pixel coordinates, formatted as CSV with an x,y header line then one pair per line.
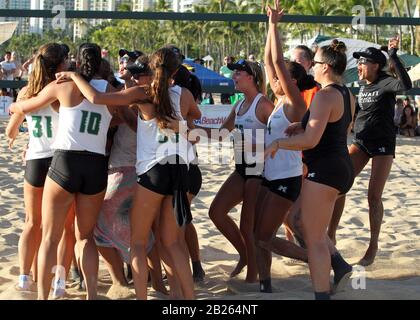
x,y
283,173
249,117
162,159
43,127
78,171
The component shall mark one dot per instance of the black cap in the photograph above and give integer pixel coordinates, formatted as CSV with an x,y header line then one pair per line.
x,y
177,51
132,54
241,65
138,68
373,54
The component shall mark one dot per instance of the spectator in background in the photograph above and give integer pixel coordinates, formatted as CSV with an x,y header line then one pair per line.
x,y
19,70
408,122
27,65
8,68
227,73
251,57
5,102
305,56
199,61
399,106
105,54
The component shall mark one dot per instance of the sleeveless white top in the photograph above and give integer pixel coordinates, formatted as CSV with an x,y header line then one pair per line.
x,y
286,163
153,145
85,126
43,129
251,128
124,146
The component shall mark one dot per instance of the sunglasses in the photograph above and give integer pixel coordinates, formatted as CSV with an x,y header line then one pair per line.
x,y
124,60
363,60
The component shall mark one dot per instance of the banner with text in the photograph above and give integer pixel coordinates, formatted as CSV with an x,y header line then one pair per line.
x,y
213,115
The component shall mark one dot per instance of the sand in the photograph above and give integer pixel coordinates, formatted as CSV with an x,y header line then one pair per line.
x,y
394,275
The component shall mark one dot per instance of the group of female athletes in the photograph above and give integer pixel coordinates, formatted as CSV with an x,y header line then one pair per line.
x,y
75,184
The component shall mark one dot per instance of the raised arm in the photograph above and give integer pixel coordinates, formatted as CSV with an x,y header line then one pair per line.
x,y
269,66
403,81
118,98
290,89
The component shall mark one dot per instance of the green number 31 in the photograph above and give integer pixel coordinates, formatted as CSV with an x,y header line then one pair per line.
x,y
37,131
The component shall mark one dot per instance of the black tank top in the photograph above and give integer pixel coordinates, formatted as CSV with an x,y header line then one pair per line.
x,y
334,139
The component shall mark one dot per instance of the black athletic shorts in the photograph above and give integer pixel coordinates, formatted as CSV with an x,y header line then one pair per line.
x,y
335,171
159,178
36,171
382,147
288,188
170,177
248,171
79,171
194,179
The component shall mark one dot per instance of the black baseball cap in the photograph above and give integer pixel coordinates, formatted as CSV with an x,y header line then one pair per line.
x,y
138,68
373,54
177,51
132,54
241,65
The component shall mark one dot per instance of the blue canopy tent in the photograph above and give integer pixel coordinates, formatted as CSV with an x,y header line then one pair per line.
x,y
210,80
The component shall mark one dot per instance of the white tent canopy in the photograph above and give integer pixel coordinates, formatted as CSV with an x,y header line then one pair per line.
x,y
6,30
414,73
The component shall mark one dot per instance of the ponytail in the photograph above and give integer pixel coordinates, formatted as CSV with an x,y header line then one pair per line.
x,y
163,64
89,58
298,72
45,64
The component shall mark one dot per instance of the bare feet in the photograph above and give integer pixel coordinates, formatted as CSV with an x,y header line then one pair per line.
x,y
241,264
369,257
198,271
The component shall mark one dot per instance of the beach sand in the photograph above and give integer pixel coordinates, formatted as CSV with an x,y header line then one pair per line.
x,y
394,275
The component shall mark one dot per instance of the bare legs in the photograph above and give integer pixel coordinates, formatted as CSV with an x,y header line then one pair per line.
x,y
30,238
143,214
317,206
381,167
55,207
232,192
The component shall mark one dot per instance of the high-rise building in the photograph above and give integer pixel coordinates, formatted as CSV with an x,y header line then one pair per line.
x,y
23,23
81,26
185,5
142,5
